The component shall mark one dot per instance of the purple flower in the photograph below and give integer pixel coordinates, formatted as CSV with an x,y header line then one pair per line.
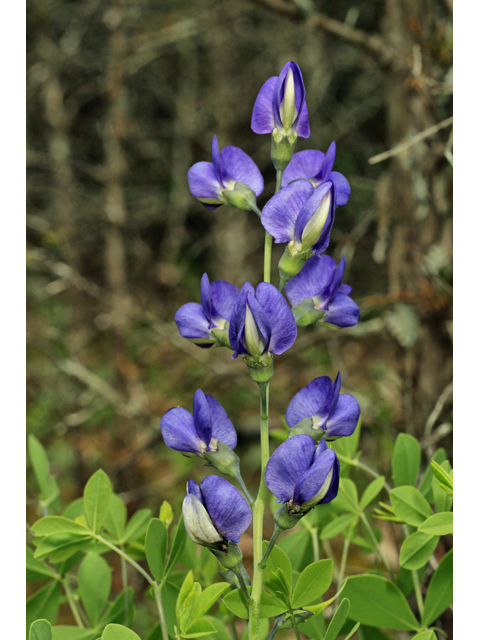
x,y
205,324
330,413
302,216
215,513
199,433
303,474
318,295
316,167
232,177
280,107
261,323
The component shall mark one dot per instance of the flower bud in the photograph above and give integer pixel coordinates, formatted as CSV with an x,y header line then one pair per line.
x,y
315,224
199,525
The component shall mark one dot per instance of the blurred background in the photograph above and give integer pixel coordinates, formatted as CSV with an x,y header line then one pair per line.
x,y
123,97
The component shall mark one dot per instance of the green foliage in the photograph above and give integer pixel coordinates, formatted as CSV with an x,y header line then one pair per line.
x,y
440,524
338,620
44,603
440,590
96,500
371,492
156,547
118,632
417,549
40,630
47,484
94,583
312,583
377,602
410,506
406,460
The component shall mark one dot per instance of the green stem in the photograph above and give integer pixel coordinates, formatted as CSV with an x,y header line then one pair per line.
x,y
273,539
72,603
244,489
161,613
418,592
125,586
121,553
258,511
364,467
343,563
267,265
294,624
379,549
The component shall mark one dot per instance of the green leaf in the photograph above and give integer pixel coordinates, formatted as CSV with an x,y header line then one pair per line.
x,y
44,603
347,498
339,525
166,513
96,499
156,547
441,474
440,524
406,460
64,632
425,635
312,583
41,467
40,630
425,486
440,590
410,506
184,592
206,600
116,517
37,570
371,492
442,493
279,587
221,632
118,632
277,559
417,549
338,620
177,547
94,583
377,602
199,628
137,525
74,509
269,606
60,546
57,524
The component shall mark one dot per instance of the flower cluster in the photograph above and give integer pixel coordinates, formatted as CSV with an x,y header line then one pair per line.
x,y
261,322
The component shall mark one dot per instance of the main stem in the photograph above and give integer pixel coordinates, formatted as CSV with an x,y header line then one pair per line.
x,y
259,506
161,612
258,511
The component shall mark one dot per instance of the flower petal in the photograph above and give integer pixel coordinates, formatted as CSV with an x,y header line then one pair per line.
x,y
206,298
242,168
258,330
228,509
334,484
303,126
202,416
224,295
342,187
198,523
280,316
310,207
287,465
342,311
191,322
304,165
344,418
194,490
237,319
327,166
203,181
179,432
220,171
262,116
313,480
315,275
308,400
222,426
280,213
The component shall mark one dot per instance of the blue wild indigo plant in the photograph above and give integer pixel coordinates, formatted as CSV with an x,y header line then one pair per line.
x,y
307,474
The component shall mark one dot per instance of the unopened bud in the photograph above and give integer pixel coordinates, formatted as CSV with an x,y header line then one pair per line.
x,y
241,197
